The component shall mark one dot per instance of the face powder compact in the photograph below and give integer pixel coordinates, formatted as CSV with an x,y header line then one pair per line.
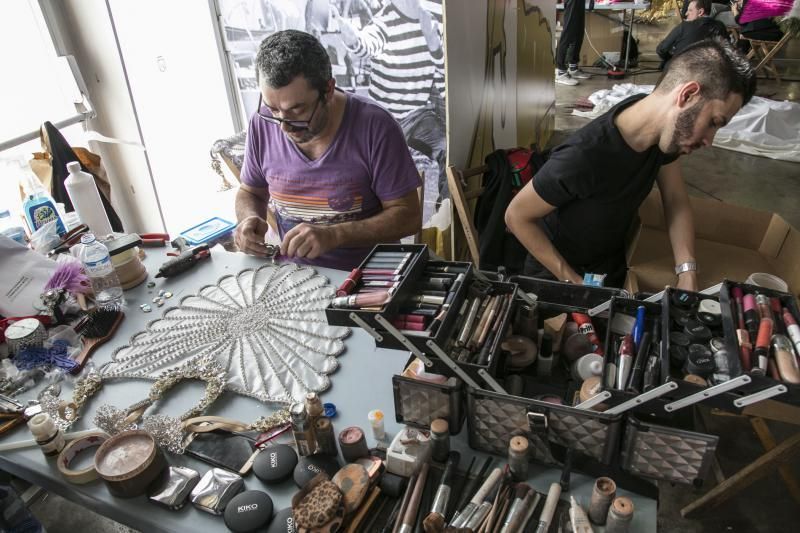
x,y
129,462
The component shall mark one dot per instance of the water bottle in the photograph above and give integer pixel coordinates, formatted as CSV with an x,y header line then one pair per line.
x,y
11,229
97,264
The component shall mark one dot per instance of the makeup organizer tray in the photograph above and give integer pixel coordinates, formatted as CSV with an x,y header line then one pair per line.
x,y
621,319
767,386
404,271
692,331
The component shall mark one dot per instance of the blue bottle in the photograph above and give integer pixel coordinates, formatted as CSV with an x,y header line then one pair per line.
x,y
38,206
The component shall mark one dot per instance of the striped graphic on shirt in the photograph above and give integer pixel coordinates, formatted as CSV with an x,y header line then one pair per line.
x,y
316,209
404,70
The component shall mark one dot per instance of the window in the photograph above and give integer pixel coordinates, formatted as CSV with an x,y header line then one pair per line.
x,y
38,85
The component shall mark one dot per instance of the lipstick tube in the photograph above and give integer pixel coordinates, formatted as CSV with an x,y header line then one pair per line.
x,y
370,299
777,316
792,329
761,352
349,283
785,359
625,361
751,318
764,306
737,306
745,349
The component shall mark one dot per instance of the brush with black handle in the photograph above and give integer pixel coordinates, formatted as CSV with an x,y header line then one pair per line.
x,y
95,329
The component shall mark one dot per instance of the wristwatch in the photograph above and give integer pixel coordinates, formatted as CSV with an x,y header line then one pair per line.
x,y
688,266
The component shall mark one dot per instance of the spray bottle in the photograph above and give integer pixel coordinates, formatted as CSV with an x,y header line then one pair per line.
x,y
39,207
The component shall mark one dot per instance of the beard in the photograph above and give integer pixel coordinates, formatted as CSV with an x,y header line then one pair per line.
x,y
302,136
684,128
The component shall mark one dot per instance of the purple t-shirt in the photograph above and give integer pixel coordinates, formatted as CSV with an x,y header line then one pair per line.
x,y
367,163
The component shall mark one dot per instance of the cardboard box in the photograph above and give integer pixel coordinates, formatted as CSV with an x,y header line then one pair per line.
x,y
732,242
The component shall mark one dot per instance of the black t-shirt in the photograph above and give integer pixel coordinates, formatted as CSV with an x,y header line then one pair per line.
x,y
596,182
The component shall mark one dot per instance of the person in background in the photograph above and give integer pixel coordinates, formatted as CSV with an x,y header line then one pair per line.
x,y
761,30
698,26
568,51
334,168
403,42
574,216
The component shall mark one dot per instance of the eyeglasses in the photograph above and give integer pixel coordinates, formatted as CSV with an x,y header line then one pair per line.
x,y
293,124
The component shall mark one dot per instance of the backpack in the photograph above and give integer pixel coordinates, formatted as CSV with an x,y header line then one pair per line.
x,y
509,171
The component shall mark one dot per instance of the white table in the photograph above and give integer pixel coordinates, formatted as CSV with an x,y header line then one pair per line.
x,y
363,382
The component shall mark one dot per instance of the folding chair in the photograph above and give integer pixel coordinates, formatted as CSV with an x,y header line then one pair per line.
x,y
762,53
465,188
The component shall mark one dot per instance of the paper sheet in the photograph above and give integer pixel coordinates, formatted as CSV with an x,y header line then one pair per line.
x,y
23,275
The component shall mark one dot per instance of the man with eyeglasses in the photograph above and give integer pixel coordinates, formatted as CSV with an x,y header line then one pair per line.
x,y
334,168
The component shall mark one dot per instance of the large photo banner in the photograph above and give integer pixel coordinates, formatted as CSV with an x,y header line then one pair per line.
x,y
389,50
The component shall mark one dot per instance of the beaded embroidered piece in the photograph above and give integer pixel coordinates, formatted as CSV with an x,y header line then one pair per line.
x,y
266,327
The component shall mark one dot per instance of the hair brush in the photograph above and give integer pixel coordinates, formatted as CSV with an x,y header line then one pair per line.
x,y
96,328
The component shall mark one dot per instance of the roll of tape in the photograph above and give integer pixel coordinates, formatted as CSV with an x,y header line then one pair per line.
x,y
71,451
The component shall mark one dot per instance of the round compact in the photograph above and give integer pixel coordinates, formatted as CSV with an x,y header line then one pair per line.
x,y
700,361
680,317
678,355
683,300
709,319
679,339
716,344
710,306
275,464
308,467
128,462
283,522
698,331
248,511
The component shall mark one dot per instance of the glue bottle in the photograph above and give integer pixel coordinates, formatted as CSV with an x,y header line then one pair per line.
x,y
85,197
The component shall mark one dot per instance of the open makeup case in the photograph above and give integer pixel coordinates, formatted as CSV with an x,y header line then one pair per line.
x,y
601,430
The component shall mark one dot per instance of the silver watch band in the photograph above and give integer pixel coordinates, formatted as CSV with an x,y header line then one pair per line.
x,y
688,266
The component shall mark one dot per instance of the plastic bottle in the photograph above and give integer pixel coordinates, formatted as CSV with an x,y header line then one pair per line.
x,y
10,228
97,263
38,206
82,190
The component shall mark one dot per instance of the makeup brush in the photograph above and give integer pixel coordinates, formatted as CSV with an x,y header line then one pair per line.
x,y
476,503
512,519
435,519
95,329
407,526
469,488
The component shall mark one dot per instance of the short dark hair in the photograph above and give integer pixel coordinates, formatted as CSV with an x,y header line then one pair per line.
x,y
705,5
716,66
284,55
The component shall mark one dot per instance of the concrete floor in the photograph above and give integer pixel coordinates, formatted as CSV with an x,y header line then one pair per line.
x,y
729,176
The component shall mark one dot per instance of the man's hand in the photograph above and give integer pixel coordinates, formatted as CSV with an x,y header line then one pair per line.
x,y
250,236
687,281
309,241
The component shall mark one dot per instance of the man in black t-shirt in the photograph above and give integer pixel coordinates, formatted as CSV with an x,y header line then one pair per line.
x,y
698,26
574,216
